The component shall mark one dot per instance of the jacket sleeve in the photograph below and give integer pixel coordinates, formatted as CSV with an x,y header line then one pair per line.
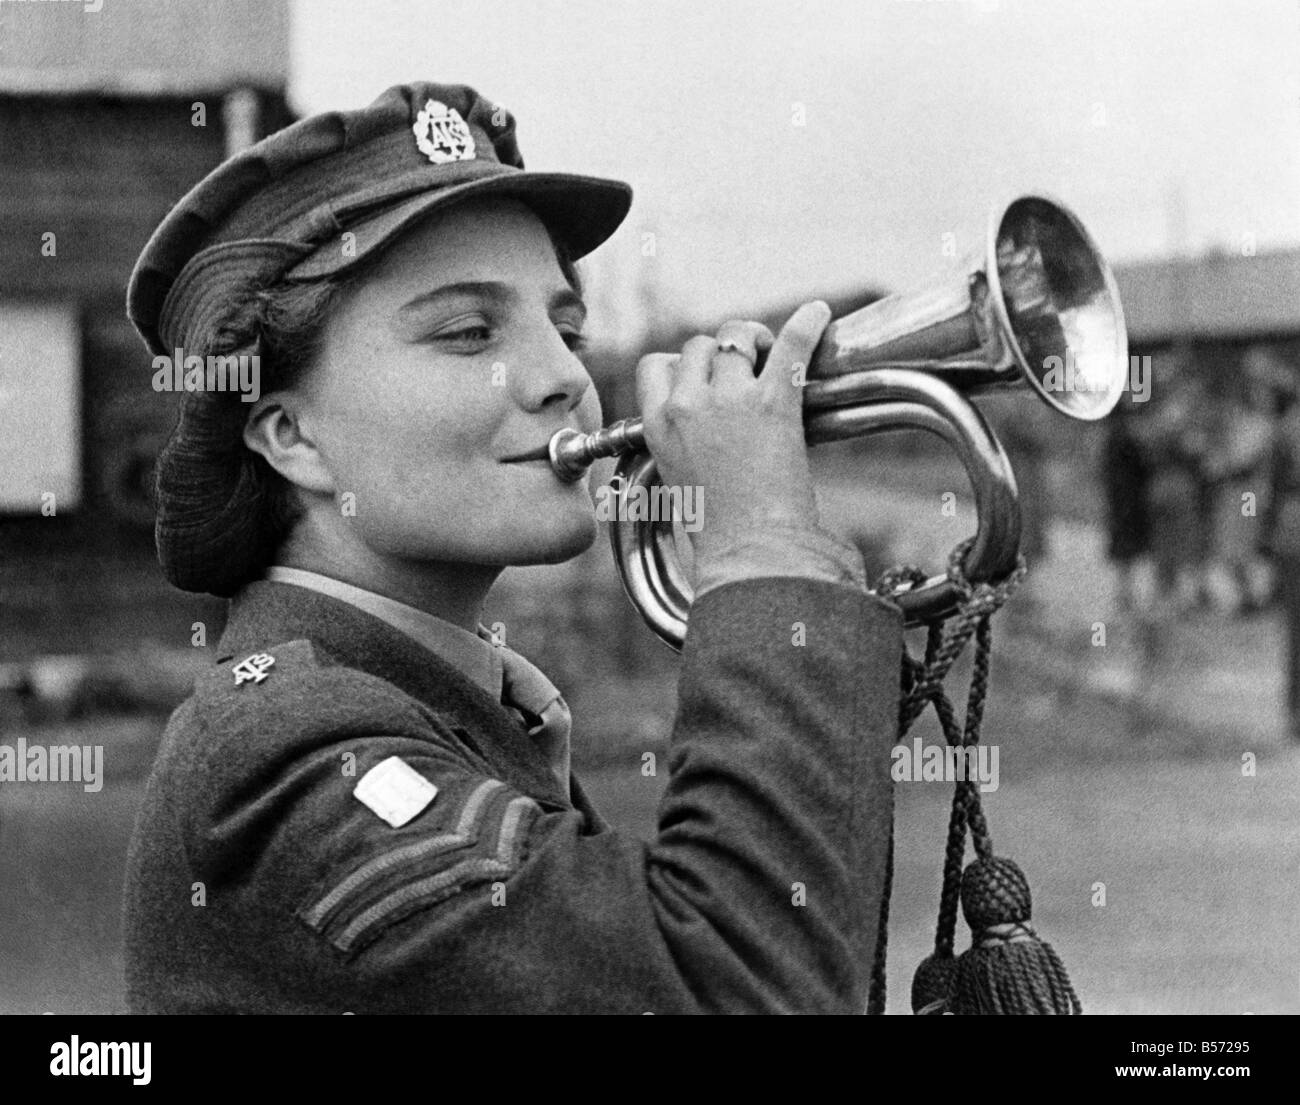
x,y
761,892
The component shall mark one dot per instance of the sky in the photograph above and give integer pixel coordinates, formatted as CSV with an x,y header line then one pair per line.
x,y
781,149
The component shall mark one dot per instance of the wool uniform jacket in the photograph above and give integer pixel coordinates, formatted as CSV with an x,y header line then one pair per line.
x,y
258,882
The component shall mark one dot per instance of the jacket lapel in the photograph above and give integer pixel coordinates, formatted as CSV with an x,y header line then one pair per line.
x,y
265,614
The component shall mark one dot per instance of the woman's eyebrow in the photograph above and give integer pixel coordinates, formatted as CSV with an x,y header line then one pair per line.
x,y
485,289
565,298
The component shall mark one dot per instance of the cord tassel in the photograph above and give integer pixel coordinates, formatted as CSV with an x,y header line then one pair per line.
x,y
1008,969
933,984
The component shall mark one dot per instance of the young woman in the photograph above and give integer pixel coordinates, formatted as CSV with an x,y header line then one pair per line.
x,y
366,806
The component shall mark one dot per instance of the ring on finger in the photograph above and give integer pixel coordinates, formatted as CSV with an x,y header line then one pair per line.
x,y
729,346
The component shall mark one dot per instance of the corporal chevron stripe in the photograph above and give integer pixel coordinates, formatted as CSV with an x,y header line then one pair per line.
x,y
466,832
445,883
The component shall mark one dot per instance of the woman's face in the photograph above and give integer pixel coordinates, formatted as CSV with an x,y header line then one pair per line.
x,y
454,355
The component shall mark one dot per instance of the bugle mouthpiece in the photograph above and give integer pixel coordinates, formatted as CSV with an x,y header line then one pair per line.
x,y
573,452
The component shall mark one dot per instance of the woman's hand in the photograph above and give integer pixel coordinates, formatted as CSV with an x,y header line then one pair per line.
x,y
711,422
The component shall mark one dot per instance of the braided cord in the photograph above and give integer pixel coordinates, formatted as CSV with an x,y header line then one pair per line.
x,y
922,685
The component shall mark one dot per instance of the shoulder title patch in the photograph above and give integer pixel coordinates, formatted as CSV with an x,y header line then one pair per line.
x,y
395,791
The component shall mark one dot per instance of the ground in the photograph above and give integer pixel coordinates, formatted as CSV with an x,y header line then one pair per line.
x,y
1200,865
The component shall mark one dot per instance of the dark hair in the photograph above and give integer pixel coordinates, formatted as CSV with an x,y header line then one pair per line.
x,y
290,321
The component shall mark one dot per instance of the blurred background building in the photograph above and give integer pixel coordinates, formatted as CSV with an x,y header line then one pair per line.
x,y
105,122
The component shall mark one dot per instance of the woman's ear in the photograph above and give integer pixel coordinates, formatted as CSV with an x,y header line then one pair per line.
x,y
275,431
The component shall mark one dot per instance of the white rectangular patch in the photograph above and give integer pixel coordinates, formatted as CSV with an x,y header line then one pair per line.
x,y
395,791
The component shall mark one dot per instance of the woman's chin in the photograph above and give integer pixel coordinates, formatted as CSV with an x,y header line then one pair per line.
x,y
558,545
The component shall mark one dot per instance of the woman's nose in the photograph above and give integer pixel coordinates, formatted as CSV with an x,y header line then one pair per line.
x,y
551,374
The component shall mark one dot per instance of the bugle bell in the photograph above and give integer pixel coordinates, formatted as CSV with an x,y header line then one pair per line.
x,y
1037,306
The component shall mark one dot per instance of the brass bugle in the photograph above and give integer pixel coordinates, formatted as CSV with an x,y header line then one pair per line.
x,y
1036,306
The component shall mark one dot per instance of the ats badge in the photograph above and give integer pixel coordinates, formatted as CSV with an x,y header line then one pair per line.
x,y
253,669
442,135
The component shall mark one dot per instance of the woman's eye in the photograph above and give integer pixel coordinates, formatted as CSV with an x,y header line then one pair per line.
x,y
481,333
468,334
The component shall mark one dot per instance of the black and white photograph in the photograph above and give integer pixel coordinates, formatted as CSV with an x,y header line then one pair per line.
x,y
610,507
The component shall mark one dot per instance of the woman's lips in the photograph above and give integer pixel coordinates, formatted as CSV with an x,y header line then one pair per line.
x,y
541,453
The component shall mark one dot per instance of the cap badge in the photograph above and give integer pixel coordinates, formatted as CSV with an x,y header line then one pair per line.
x,y
442,135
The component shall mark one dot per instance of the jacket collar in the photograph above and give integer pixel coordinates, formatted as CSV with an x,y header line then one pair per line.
x,y
469,653
264,614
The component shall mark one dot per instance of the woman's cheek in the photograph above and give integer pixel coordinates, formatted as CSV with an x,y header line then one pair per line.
x,y
474,519
403,523
372,489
